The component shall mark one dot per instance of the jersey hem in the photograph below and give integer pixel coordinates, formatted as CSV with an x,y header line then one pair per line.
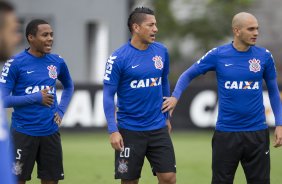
x,y
142,129
35,134
224,129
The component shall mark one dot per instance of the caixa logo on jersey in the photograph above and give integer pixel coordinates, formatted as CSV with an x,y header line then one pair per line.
x,y
254,85
144,83
35,89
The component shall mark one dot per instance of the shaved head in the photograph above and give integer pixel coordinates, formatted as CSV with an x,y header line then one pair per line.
x,y
245,30
241,19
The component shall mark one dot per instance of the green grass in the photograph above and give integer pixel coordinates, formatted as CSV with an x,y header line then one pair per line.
x,y
88,159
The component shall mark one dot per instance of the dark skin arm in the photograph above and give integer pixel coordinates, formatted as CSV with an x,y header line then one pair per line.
x,y
47,99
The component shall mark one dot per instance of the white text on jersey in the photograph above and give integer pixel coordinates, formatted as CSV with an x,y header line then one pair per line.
x,y
5,70
109,67
35,89
144,83
241,85
199,61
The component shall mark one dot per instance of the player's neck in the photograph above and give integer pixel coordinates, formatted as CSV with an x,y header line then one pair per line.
x,y
240,46
137,43
35,53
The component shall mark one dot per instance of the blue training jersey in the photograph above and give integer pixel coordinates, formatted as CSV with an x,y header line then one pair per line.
x,y
26,74
138,76
240,77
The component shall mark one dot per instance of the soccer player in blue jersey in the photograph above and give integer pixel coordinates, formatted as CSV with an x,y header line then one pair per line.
x,y
241,133
29,86
138,73
9,37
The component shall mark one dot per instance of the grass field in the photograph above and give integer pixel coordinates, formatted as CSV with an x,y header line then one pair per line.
x,y
88,159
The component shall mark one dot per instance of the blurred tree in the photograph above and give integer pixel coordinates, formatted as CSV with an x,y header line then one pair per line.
x,y
212,27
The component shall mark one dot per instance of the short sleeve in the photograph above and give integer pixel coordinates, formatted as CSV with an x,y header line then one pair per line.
x,y
112,70
207,62
270,70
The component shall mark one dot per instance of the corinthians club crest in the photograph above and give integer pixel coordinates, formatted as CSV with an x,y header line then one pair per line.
x,y
17,168
158,62
254,65
122,167
52,71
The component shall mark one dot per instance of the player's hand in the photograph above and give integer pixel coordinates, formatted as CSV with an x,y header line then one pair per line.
x,y
169,104
117,141
278,136
57,119
47,99
169,127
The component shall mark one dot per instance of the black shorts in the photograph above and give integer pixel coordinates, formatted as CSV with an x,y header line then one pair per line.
x,y
249,148
156,145
45,150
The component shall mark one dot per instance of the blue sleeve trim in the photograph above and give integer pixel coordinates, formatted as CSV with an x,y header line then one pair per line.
x,y
68,86
274,97
16,101
166,91
184,80
109,106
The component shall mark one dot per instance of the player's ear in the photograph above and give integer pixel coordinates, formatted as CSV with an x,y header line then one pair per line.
x,y
236,31
30,37
135,27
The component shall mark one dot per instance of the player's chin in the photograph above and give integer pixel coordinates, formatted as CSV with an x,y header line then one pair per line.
x,y
252,43
47,50
151,40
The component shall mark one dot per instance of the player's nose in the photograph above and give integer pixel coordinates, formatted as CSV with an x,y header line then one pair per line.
x,y
50,38
256,32
155,29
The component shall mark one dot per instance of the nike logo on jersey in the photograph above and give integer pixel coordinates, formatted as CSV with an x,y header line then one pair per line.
x,y
134,66
267,152
228,64
29,72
